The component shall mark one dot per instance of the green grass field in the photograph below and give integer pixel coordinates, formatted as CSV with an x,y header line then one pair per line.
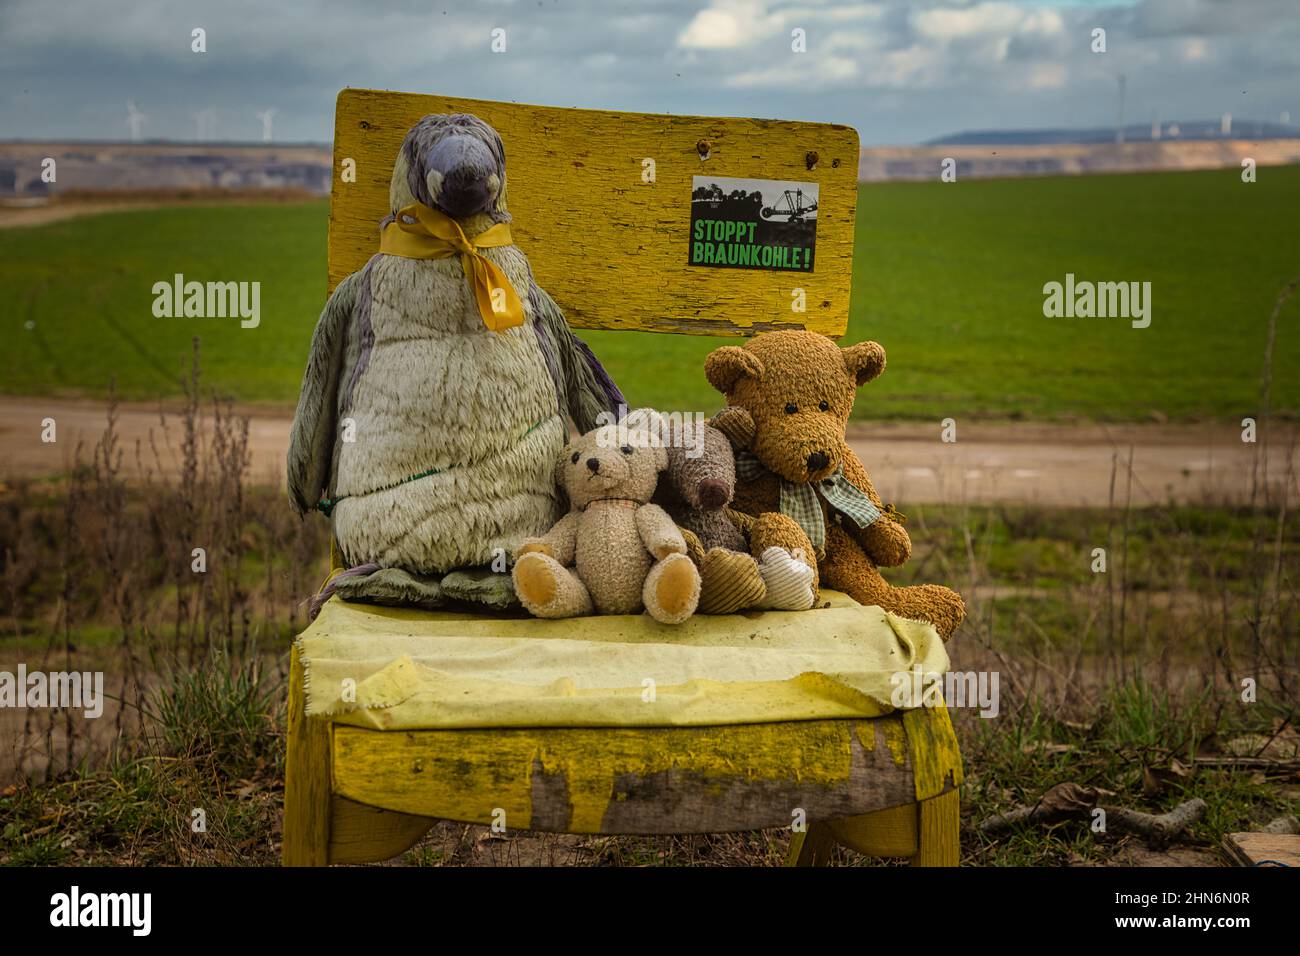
x,y
948,277
86,287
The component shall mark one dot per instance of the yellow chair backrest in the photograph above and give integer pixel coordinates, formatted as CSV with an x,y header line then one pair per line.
x,y
602,205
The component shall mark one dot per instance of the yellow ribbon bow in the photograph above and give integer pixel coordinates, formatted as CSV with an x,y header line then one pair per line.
x,y
435,235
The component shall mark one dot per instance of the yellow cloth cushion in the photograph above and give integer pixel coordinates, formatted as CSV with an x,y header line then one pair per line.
x,y
397,669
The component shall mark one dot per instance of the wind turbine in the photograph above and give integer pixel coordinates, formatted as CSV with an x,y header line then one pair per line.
x,y
1119,123
266,116
135,120
205,124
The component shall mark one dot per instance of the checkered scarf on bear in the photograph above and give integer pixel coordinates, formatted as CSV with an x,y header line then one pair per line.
x,y
800,500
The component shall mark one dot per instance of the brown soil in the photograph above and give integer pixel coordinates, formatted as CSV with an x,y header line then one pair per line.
x,y
1065,465
75,204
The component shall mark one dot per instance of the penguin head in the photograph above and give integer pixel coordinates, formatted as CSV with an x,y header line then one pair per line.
x,y
455,163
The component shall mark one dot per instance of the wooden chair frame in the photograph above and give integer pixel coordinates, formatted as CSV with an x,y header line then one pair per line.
x,y
354,795
886,787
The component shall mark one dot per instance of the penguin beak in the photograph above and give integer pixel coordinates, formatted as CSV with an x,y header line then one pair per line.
x,y
461,174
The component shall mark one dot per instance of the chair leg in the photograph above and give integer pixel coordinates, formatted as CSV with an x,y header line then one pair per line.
x,y
885,833
362,834
307,797
939,830
813,847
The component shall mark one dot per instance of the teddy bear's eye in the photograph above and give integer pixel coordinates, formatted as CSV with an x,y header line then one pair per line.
x,y
575,457
824,405
626,449
791,408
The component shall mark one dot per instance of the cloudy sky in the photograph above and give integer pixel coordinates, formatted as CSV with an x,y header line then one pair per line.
x,y
901,72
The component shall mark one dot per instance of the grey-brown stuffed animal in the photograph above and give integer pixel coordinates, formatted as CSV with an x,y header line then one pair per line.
x,y
614,553
744,562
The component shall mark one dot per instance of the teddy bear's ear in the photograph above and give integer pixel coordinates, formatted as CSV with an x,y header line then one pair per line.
x,y
864,361
646,420
561,462
661,458
726,366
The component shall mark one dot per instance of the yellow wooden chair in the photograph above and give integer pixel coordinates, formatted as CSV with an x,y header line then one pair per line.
x,y
601,204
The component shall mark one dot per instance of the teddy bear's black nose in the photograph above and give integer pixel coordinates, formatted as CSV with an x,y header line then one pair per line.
x,y
593,464
818,460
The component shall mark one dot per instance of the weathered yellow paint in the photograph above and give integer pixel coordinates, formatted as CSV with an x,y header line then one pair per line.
x,y
939,830
361,834
928,831
936,757
895,738
811,847
610,248
890,832
307,788
866,731
455,772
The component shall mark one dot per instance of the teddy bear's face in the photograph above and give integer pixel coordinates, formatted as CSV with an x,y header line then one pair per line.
x,y
799,389
702,468
612,462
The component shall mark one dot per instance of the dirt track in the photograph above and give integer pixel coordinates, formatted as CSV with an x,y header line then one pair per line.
x,y
1033,462
21,214
1070,464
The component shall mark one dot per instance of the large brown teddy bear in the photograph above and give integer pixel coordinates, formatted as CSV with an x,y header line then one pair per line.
x,y
789,396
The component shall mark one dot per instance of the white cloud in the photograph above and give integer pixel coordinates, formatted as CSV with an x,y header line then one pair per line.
x,y
799,71
1047,76
903,69
1195,48
241,30
946,25
729,25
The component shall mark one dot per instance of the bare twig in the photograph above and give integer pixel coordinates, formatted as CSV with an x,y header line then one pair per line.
x,y
1070,801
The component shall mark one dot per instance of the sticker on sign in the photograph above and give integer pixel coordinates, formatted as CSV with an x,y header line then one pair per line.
x,y
753,224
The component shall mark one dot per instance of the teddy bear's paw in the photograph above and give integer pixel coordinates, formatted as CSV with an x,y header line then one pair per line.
x,y
789,580
533,546
941,606
932,603
693,546
729,582
775,530
672,589
548,589
737,424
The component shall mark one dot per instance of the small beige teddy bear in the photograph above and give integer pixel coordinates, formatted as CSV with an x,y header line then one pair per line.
x,y
614,553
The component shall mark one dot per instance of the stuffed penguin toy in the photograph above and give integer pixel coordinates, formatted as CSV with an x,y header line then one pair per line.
x,y
439,387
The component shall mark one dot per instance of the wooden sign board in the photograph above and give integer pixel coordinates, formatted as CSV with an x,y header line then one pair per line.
x,y
602,206
1254,849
